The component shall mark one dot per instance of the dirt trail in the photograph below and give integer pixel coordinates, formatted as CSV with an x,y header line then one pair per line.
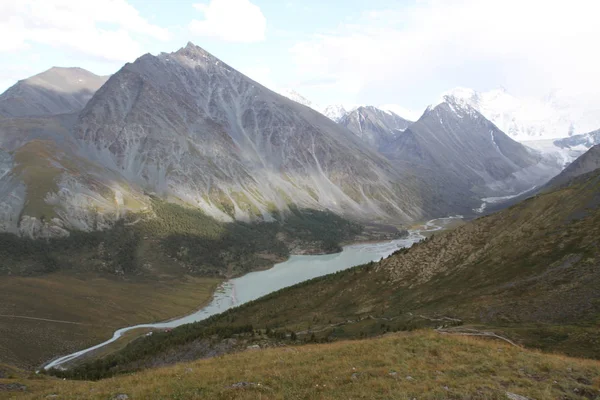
x,y
42,319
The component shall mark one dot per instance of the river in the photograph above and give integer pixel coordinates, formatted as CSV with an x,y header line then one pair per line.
x,y
296,269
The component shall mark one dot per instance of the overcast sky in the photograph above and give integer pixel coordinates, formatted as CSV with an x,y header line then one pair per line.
x,y
338,51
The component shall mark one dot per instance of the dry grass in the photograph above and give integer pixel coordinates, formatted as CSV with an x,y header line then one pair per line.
x,y
422,365
97,304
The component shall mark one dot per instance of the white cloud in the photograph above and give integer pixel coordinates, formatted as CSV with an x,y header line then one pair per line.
x,y
261,74
101,29
230,20
533,45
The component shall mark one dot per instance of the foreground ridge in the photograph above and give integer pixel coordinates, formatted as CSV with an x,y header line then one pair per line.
x,y
421,364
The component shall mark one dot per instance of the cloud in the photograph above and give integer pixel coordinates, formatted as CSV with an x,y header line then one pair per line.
x,y
533,45
259,73
101,29
231,21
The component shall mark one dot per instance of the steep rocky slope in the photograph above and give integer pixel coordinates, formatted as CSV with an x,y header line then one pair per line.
x,y
376,127
55,91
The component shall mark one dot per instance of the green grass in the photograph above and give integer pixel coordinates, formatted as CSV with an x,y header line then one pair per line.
x,y
423,365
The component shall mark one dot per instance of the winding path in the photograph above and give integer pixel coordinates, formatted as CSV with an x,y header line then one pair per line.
x,y
42,319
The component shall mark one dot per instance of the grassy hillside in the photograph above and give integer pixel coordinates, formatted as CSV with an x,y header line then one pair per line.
x,y
530,273
422,364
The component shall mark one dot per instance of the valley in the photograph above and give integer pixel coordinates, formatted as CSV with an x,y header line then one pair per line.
x,y
543,293
254,285
176,228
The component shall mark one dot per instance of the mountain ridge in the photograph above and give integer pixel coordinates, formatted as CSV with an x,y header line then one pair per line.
x,y
57,90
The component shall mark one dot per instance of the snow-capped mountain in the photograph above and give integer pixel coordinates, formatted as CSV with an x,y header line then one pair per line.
x,y
298,98
335,112
556,115
566,150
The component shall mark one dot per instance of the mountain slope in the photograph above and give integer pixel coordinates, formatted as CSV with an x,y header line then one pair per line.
x,y
530,272
55,91
463,153
423,365
376,127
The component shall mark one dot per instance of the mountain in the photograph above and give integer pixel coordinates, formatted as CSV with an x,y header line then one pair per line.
x,y
374,126
465,156
577,142
556,115
335,112
566,150
55,91
186,127
528,274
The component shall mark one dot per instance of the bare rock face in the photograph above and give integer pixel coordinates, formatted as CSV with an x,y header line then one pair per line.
x,y
55,91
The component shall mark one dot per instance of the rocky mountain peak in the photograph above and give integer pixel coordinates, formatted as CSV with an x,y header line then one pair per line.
x,y
193,51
